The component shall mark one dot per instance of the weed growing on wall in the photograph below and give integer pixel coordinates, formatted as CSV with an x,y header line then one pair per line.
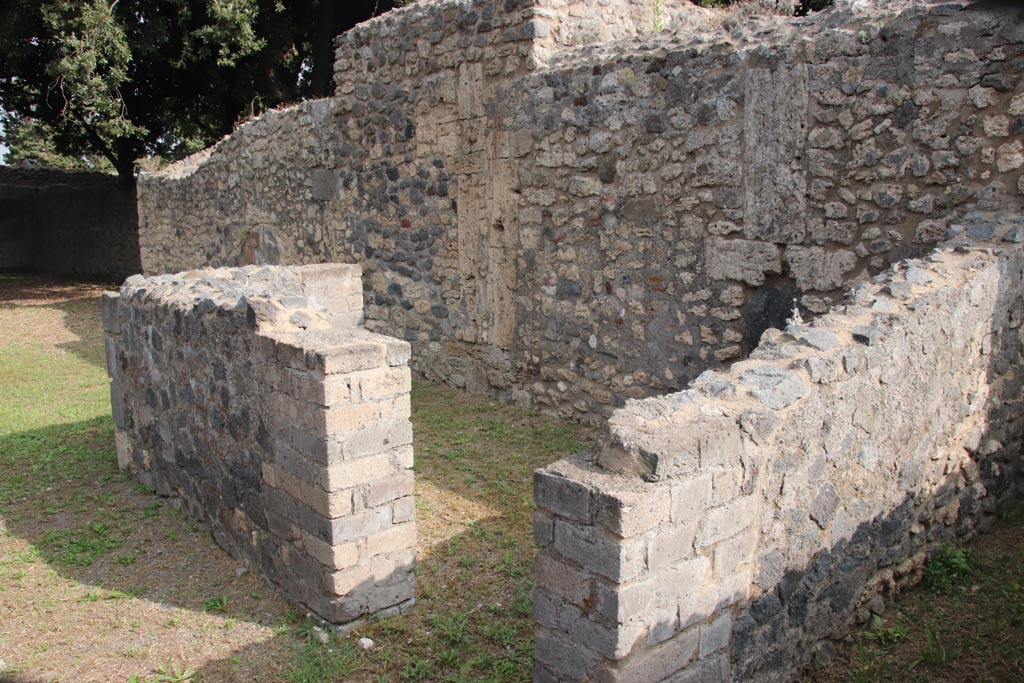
x,y
658,7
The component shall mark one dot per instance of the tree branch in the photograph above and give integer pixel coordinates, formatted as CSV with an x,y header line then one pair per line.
x,y
101,145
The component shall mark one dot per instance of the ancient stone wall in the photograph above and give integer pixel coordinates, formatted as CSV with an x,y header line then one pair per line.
x,y
70,222
255,397
680,195
569,224
729,531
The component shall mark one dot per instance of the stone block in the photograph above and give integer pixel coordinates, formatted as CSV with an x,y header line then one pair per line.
x,y
547,609
690,497
627,513
714,636
342,420
695,605
338,556
357,525
728,520
719,443
569,583
729,590
117,406
304,387
350,357
774,121
352,473
672,544
819,269
726,485
714,669
655,663
289,354
1010,156
123,447
662,624
563,496
397,352
571,660
744,260
110,303
326,503
393,539
656,592
381,383
375,439
543,529
403,510
348,580
734,552
396,486
599,552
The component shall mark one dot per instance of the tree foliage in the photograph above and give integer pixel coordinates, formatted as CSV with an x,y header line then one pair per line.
x,y
85,80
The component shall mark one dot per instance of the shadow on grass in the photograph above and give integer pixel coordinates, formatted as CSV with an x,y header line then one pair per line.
x,y
77,301
61,492
470,623
473,620
64,502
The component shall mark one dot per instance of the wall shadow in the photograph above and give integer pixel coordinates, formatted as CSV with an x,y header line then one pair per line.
x,y
415,641
74,222
493,502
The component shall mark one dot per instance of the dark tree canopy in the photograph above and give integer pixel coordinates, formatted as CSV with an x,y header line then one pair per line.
x,y
97,82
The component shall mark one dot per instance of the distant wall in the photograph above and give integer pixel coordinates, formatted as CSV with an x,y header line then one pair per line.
x,y
729,531
255,397
70,222
570,222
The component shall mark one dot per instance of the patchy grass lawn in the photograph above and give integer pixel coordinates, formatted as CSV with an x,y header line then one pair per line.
x,y
965,622
102,581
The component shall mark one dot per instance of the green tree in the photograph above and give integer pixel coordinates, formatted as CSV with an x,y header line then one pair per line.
x,y
117,80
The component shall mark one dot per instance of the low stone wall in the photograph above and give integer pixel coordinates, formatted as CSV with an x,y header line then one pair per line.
x,y
68,222
255,397
731,530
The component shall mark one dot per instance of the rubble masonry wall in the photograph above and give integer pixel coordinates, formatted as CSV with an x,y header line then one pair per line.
x,y
553,203
255,397
730,531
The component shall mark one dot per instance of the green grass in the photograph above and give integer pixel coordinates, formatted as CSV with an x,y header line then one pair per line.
x,y
965,622
69,509
949,566
217,604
